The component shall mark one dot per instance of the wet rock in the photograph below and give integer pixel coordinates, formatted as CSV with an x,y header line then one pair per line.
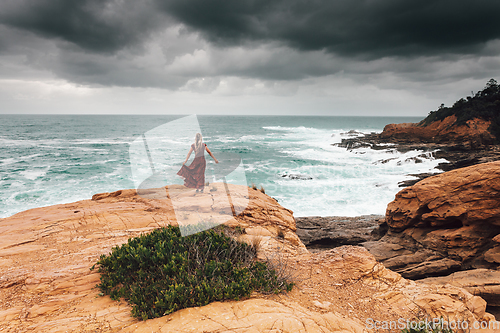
x,y
297,176
419,177
352,133
333,231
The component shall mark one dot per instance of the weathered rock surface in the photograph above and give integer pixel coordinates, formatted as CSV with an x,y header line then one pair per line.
x,y
457,198
443,224
481,282
332,231
442,131
46,284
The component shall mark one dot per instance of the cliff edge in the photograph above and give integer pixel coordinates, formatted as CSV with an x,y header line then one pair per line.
x,y
47,285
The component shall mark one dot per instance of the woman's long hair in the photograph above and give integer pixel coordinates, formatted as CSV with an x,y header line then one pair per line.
x,y
198,142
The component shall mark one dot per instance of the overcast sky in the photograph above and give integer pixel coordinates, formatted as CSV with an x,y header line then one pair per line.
x,y
323,57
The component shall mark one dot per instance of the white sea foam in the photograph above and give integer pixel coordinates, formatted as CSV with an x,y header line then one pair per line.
x,y
120,141
290,129
8,161
343,182
33,174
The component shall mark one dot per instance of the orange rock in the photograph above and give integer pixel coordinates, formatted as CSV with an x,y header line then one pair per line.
x,y
440,131
481,282
46,283
459,197
451,220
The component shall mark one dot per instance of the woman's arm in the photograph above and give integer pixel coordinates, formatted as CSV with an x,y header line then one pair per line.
x,y
210,153
189,154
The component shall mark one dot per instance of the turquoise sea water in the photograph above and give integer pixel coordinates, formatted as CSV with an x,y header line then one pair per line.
x,y
52,159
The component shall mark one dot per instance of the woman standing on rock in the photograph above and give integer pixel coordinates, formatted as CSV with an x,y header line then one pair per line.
x,y
194,174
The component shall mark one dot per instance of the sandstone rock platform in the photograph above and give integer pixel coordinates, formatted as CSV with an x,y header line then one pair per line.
x,y
47,285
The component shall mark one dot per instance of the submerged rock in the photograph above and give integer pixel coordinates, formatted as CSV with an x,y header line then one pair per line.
x,y
296,176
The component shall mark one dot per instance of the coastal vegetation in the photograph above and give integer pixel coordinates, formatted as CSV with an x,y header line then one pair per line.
x,y
485,104
162,272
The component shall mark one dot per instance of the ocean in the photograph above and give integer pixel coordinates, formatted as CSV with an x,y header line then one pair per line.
x,y
54,159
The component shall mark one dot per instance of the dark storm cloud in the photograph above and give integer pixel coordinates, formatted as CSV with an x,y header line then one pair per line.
x,y
169,43
373,28
94,25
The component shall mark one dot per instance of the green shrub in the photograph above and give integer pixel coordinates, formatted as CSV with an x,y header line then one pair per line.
x,y
162,272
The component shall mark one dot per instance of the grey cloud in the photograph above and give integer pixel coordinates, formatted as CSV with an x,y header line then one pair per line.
x,y
118,70
94,25
365,28
157,43
368,28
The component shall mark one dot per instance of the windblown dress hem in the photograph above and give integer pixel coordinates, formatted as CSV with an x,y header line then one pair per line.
x,y
194,174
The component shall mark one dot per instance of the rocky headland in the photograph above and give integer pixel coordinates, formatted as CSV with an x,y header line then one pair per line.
x,y
443,228
47,285
459,150
465,134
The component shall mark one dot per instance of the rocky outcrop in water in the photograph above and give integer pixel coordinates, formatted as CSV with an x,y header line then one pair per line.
x,y
296,176
457,154
461,146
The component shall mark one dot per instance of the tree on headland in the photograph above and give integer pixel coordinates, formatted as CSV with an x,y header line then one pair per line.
x,y
492,88
485,104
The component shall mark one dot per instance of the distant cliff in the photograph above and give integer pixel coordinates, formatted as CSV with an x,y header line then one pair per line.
x,y
475,120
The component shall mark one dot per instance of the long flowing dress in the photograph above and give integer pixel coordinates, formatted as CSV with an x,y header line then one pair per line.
x,y
194,174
